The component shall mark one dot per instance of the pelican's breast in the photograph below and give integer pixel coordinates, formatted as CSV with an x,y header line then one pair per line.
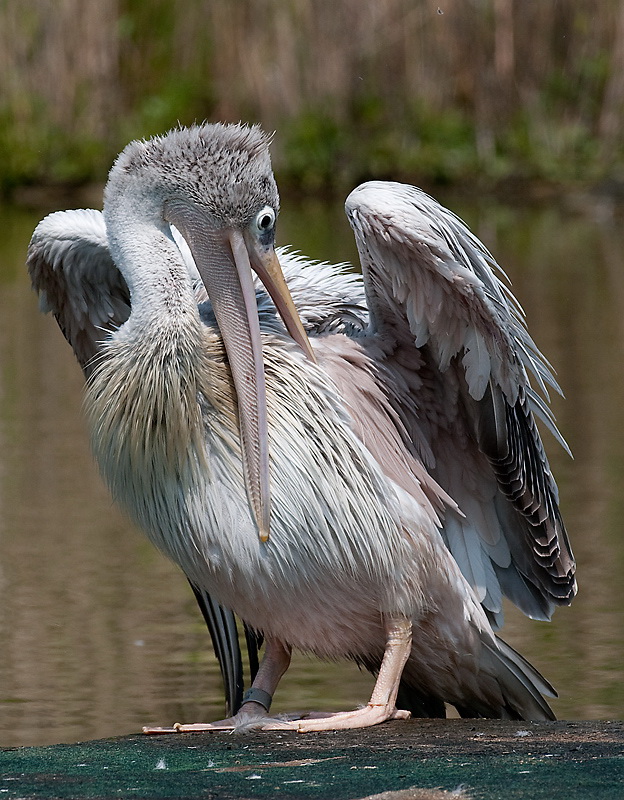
x,y
164,433
336,534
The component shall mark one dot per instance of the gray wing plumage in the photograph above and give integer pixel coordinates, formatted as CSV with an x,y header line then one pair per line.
x,y
72,272
454,336
329,298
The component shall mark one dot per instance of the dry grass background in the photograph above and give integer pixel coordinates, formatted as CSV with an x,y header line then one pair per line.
x,y
446,88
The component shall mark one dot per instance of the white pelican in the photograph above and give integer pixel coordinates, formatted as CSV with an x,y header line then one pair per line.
x,y
370,492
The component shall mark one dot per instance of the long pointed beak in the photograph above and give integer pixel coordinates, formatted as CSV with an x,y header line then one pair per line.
x,y
233,297
223,263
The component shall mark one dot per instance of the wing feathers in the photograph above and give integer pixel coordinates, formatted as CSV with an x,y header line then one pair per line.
x,y
432,286
72,271
477,363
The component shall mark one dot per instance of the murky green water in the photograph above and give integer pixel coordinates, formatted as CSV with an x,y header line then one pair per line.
x,y
99,634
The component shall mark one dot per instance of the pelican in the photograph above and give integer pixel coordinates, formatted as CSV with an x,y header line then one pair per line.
x,y
350,465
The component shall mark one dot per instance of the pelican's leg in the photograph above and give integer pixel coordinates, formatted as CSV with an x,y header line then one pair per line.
x,y
381,706
255,709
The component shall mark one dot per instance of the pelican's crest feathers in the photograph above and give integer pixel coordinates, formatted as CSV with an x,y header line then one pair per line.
x,y
224,168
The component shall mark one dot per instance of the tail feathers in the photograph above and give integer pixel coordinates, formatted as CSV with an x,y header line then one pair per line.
x,y
539,681
507,687
221,624
521,684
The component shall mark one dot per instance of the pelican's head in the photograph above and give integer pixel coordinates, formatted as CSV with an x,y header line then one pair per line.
x,y
216,185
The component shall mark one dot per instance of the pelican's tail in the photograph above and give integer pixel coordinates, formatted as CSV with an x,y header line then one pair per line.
x,y
521,686
506,687
419,704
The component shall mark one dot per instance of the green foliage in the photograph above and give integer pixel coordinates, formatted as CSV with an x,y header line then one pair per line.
x,y
177,101
315,151
320,153
34,150
537,148
421,100
442,145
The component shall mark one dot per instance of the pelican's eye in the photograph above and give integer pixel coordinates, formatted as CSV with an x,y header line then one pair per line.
x,y
265,220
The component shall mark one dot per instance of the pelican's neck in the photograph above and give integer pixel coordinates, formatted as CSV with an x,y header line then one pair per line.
x,y
144,251
142,396
155,378
161,385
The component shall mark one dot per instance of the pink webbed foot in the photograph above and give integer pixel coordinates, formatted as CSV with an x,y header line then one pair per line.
x,y
301,723
364,717
381,707
253,714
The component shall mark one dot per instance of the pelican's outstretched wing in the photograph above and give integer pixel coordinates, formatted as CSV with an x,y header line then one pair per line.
x,y
454,337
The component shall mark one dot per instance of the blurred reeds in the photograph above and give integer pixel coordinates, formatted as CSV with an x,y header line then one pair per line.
x,y
440,90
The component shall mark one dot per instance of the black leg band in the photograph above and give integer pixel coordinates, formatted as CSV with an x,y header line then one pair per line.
x,y
258,696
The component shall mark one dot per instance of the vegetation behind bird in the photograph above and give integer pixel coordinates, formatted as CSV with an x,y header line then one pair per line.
x,y
428,91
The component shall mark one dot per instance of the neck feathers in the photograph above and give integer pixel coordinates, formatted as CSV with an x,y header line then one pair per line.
x,y
146,403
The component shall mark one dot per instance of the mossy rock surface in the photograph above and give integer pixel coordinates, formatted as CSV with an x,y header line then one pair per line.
x,y
462,758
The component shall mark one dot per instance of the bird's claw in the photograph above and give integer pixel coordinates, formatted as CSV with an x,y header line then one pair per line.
x,y
196,727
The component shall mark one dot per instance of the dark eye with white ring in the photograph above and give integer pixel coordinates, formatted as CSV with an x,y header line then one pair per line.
x,y
265,220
